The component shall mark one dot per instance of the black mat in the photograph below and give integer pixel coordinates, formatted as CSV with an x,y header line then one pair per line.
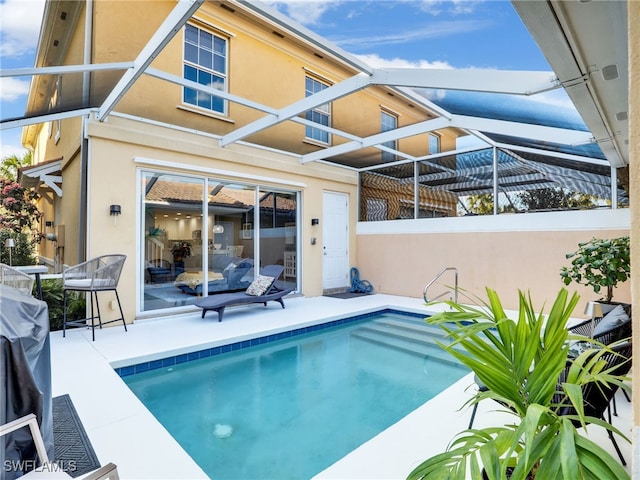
x,y
73,450
347,295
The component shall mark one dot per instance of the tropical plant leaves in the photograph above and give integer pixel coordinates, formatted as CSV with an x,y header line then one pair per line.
x,y
520,361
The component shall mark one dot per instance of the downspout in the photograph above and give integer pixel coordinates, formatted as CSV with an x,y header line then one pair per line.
x,y
84,142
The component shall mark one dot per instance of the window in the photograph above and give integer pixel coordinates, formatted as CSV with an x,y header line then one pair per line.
x,y
320,114
54,106
434,143
388,122
205,62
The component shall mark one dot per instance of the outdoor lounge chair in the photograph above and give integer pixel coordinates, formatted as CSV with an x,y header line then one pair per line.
x,y
219,301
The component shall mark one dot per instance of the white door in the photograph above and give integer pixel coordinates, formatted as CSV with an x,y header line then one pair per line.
x,y
335,238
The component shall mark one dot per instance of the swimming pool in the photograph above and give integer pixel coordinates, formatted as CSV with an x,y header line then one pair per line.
x,y
289,406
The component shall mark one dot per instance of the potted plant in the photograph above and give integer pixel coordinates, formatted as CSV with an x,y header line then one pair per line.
x,y
520,361
180,251
600,264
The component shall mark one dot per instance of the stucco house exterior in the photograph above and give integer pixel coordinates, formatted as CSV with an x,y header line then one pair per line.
x,y
175,138
158,155
178,124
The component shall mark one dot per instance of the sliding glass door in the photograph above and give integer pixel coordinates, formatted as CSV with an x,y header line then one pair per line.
x,y
204,236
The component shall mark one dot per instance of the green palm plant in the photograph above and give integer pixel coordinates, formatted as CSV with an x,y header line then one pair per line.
x,y
520,362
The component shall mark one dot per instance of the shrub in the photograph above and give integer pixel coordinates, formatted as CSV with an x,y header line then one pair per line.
x,y
600,264
52,295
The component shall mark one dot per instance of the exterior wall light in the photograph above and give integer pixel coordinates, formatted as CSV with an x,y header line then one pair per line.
x,y
115,211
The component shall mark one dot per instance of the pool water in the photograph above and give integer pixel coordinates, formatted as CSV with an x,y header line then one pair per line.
x,y
288,409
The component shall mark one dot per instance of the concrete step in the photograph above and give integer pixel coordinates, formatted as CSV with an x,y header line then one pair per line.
x,y
419,345
408,331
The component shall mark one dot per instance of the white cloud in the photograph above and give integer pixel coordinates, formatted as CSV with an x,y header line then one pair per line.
x,y
306,12
453,7
424,32
10,143
376,61
12,88
20,26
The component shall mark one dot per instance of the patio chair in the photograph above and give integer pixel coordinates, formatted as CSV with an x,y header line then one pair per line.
x,y
11,277
47,469
100,274
262,290
596,397
614,326
611,328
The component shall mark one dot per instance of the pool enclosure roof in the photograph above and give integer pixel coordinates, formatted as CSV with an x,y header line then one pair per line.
x,y
537,143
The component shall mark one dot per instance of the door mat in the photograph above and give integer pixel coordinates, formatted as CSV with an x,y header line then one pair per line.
x,y
347,295
72,447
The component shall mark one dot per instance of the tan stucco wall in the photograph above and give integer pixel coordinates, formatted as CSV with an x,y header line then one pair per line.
x,y
634,174
506,260
262,67
112,178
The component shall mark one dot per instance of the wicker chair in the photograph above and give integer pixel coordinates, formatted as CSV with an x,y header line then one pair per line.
x,y
13,278
597,397
99,274
597,330
593,329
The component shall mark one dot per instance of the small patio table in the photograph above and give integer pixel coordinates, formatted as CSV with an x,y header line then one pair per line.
x,y
34,270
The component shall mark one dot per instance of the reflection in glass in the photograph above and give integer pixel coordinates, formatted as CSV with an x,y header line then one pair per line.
x,y
230,252
172,240
278,233
192,251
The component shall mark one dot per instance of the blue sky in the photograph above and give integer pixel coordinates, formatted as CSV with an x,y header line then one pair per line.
x,y
384,33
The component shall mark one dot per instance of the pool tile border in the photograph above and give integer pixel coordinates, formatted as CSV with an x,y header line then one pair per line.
x,y
213,351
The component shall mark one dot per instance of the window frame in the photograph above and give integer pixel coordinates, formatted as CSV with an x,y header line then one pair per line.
x,y
386,127
200,69
436,138
312,134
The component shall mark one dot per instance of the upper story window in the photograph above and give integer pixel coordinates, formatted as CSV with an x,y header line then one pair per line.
x,y
54,106
434,143
320,114
388,122
205,62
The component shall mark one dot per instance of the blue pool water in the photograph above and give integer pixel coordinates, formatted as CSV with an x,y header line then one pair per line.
x,y
289,408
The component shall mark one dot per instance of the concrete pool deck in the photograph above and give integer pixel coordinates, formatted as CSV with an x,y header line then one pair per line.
x,y
124,432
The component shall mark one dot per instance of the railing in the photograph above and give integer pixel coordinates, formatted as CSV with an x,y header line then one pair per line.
x,y
455,286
